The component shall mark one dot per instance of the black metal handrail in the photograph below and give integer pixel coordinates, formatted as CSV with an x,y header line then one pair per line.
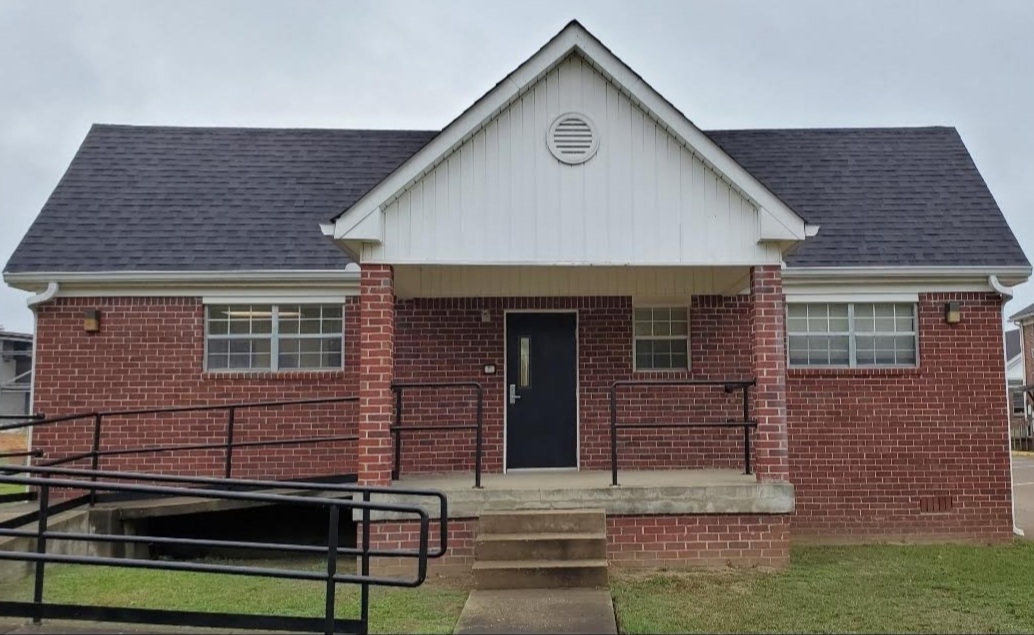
x,y
729,386
399,387
228,445
45,478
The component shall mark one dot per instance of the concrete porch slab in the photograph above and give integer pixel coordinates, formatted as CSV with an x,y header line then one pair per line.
x,y
658,492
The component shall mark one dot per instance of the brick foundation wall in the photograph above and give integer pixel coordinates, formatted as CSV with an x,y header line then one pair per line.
x,y
400,535
699,541
908,452
447,340
717,540
148,354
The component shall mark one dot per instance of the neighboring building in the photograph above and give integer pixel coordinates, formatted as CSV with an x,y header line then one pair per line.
x,y
15,373
571,229
1020,372
15,385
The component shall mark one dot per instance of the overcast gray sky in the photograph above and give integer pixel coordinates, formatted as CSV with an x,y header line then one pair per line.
x,y
66,65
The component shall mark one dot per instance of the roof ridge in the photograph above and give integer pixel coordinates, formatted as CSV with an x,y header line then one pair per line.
x,y
126,126
109,126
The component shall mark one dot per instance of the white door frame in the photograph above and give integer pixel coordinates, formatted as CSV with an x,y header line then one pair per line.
x,y
577,391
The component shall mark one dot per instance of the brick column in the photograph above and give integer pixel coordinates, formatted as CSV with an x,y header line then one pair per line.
x,y
376,361
767,331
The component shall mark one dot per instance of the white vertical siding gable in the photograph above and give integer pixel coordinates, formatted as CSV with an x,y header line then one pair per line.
x,y
501,197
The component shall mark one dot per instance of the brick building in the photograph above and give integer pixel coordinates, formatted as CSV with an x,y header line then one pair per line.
x,y
1019,371
586,256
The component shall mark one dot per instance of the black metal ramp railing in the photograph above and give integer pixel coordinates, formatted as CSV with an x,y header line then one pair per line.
x,y
747,424
228,444
336,499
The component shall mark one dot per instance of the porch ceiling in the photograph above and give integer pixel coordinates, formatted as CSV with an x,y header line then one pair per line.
x,y
645,283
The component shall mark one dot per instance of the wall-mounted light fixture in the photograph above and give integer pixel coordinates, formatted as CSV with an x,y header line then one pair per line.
x,y
953,312
486,315
92,320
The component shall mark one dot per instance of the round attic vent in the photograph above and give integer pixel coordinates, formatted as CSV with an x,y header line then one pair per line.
x,y
572,138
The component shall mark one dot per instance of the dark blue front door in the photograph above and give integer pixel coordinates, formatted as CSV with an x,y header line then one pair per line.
x,y
542,390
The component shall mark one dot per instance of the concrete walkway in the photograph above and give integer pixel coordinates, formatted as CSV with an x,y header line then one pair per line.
x,y
538,611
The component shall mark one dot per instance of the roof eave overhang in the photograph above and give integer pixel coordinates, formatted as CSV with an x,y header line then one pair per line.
x,y
35,281
359,223
994,276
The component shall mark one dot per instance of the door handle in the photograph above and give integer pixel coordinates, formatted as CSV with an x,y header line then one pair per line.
x,y
513,394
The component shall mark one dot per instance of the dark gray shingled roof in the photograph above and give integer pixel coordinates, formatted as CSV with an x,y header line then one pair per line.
x,y
190,199
181,199
1012,343
882,196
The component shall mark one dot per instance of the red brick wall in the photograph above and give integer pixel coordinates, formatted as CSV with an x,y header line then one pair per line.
x,y
703,540
149,353
716,540
405,536
446,340
871,449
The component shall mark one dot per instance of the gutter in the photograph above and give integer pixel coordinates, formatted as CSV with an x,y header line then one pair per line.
x,y
30,281
906,272
34,302
38,299
1004,291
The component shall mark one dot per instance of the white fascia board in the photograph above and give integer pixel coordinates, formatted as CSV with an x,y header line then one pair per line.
x,y
574,37
862,294
181,283
300,296
772,229
967,275
368,228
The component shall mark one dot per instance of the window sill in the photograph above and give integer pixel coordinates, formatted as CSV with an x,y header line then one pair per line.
x,y
910,371
272,375
658,373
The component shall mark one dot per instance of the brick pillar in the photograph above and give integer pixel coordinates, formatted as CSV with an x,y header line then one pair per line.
x,y
767,330
376,361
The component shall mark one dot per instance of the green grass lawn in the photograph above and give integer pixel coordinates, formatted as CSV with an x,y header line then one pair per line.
x,y
432,608
7,488
867,589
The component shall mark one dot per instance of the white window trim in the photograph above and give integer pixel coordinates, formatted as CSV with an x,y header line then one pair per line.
x,y
688,336
852,334
274,345
1012,384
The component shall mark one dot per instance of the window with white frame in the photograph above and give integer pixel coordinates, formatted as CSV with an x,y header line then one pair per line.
x,y
661,338
855,334
1017,397
273,336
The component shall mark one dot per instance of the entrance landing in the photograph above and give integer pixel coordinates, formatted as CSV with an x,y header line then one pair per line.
x,y
641,492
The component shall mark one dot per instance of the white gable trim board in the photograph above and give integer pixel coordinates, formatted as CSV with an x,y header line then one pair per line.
x,y
487,190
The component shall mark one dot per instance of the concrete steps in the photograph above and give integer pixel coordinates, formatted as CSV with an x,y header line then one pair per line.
x,y
541,549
